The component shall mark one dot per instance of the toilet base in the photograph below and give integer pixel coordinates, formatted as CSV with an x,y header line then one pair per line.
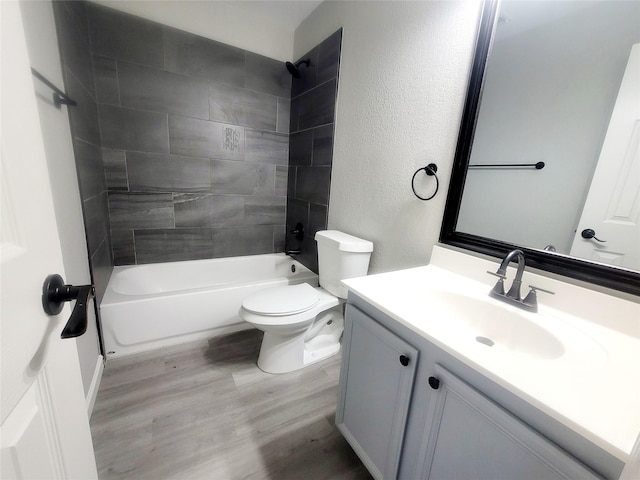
x,y
280,354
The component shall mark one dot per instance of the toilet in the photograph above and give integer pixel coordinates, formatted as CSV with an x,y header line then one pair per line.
x,y
302,324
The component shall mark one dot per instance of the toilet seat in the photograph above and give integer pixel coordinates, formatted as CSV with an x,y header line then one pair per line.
x,y
282,301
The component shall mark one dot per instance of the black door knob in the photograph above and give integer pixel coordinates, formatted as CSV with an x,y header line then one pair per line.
x,y
404,360
589,233
55,293
434,383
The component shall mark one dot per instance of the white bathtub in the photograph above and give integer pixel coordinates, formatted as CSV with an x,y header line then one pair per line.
x,y
151,306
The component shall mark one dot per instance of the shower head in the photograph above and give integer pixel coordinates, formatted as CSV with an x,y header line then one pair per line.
x,y
294,69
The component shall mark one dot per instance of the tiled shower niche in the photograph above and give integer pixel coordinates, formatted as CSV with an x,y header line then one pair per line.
x,y
195,142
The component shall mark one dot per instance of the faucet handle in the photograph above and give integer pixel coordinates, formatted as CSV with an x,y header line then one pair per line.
x,y
495,274
532,298
538,289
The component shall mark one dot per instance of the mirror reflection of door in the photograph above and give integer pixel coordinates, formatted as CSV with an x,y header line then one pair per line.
x,y
612,208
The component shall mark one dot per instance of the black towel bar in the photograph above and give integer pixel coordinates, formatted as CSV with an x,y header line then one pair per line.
x,y
59,97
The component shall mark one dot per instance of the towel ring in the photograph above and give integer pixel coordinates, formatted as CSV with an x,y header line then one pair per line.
x,y
430,170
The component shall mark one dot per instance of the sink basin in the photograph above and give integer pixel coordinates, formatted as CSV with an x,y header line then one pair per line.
x,y
494,325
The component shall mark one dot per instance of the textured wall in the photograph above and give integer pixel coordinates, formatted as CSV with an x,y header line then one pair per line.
x,y
195,142
313,99
403,78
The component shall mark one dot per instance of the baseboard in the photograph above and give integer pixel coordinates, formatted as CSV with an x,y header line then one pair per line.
x,y
95,385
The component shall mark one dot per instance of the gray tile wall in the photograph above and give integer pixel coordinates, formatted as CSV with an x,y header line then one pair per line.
x,y
195,141
75,53
313,100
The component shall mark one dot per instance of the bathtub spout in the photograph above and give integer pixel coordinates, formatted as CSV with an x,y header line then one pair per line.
x,y
293,253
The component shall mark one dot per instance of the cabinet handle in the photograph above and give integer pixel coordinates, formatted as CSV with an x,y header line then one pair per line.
x,y
434,383
404,360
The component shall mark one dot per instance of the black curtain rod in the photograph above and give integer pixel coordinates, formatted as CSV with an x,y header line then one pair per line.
x,y
59,97
537,166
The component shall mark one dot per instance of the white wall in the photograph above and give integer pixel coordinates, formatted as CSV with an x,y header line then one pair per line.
x,y
403,79
226,22
44,56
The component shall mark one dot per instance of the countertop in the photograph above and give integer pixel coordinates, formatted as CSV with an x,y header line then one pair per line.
x,y
590,383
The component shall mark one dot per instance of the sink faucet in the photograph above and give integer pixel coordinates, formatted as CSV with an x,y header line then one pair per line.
x,y
514,291
513,296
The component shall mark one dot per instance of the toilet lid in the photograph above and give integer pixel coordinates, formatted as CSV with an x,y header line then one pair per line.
x,y
285,300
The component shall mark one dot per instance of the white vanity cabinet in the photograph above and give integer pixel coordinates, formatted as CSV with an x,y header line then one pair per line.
x,y
376,382
423,421
467,436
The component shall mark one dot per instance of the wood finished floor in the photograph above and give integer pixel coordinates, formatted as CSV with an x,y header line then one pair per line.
x,y
205,411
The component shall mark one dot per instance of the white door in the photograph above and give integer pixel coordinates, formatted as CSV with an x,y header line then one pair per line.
x,y
612,208
44,429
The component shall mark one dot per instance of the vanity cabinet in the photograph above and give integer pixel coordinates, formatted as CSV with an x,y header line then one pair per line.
x,y
407,414
376,383
469,436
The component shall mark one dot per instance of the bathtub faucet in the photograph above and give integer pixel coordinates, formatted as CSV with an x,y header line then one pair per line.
x,y
298,231
293,253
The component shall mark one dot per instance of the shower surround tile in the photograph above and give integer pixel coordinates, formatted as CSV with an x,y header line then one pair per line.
x,y
317,107
123,247
173,245
106,76
200,57
192,210
141,210
312,113
125,37
194,137
267,76
242,178
267,147
89,169
129,129
150,172
239,106
115,169
234,241
146,88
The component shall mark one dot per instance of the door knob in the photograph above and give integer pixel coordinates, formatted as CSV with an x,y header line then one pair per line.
x,y
404,360
434,383
590,233
55,293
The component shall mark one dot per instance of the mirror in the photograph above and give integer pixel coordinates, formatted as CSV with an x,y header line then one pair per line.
x,y
543,90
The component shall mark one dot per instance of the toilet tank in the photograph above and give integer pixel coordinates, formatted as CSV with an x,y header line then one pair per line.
x,y
341,256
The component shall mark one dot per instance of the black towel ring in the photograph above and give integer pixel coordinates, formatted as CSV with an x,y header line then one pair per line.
x,y
430,170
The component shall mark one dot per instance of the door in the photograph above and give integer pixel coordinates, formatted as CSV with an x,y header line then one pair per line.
x,y
469,437
612,207
44,429
376,382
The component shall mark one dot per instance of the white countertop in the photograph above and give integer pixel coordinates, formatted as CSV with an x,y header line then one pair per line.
x,y
590,382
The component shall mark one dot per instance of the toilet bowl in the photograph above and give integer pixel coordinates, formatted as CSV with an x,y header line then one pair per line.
x,y
302,324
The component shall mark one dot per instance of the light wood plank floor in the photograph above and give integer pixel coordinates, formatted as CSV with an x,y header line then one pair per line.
x,y
205,411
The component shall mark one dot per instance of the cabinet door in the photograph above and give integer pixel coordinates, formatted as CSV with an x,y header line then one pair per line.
x,y
376,380
470,437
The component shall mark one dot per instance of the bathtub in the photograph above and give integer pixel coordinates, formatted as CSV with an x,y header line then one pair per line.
x,y
152,306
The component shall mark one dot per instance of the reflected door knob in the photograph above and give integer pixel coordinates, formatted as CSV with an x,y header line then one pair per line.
x,y
589,233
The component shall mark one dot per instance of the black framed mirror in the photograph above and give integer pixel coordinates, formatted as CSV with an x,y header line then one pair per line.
x,y
613,277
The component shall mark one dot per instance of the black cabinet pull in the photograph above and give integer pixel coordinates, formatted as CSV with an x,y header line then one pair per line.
x,y
55,293
404,360
434,383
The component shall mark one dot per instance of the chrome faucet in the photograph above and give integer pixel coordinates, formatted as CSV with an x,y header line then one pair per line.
x,y
530,302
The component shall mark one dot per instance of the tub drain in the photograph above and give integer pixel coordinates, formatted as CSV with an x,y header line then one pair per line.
x,y
485,341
